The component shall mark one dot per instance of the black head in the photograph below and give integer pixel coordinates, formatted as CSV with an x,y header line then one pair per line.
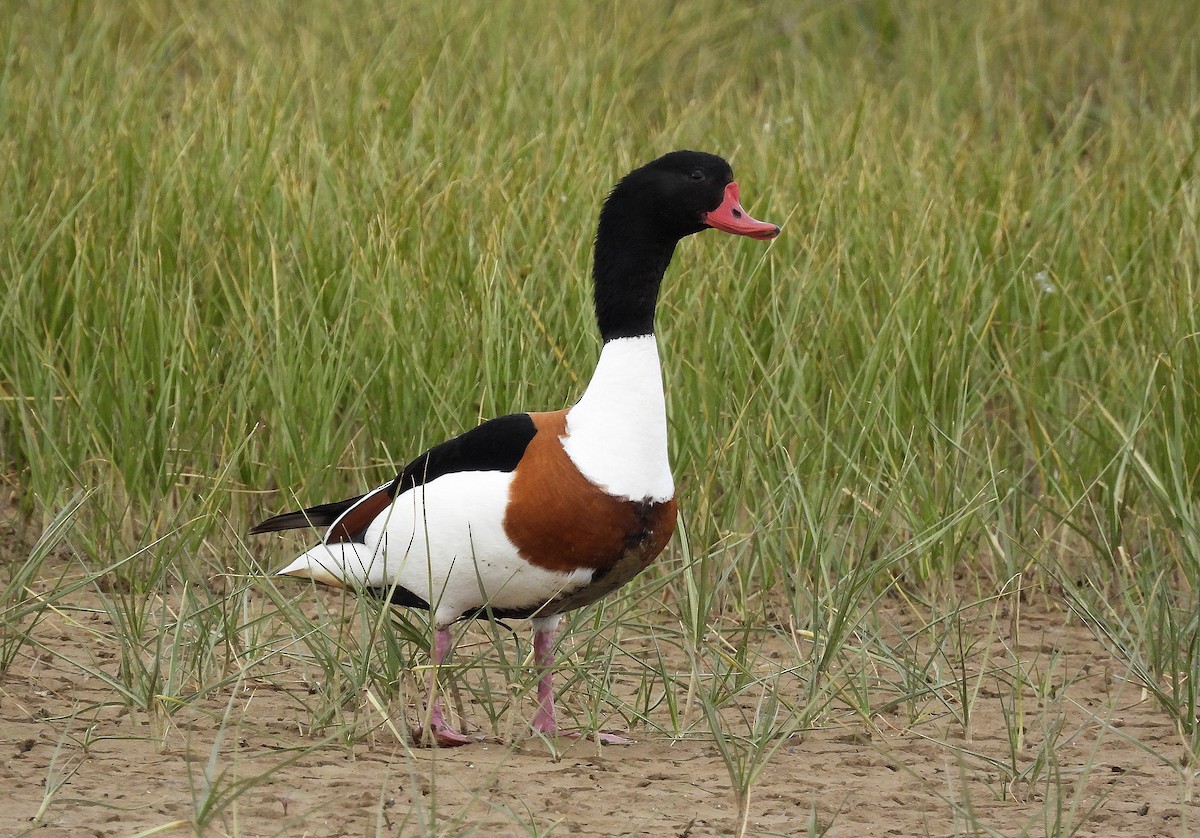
x,y
645,216
682,193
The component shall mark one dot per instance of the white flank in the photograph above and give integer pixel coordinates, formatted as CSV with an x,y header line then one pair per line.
x,y
444,542
617,432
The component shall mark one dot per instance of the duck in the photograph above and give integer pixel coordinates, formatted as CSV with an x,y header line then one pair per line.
x,y
532,515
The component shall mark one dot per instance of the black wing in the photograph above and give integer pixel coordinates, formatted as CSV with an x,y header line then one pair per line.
x,y
496,445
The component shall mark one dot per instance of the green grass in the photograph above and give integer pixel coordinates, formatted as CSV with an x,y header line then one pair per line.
x,y
261,255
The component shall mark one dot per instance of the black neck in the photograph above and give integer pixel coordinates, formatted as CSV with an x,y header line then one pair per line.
x,y
630,260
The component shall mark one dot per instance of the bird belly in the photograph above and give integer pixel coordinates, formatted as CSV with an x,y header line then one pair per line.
x,y
445,542
518,544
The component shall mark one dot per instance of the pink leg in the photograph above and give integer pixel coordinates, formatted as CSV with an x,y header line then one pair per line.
x,y
544,720
439,730
543,658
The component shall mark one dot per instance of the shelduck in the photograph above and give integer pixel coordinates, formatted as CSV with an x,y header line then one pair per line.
x,y
531,515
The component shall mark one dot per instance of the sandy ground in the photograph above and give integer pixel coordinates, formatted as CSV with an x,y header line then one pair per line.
x,y
1116,768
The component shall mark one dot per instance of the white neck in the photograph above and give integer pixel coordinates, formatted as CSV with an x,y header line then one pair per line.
x,y
617,432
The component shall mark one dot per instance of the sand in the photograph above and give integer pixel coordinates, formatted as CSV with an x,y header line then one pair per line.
x,y
1118,766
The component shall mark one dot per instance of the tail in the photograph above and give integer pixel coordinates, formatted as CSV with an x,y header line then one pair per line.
x,y
323,515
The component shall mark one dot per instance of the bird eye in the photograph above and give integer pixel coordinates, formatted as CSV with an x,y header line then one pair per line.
x,y
697,175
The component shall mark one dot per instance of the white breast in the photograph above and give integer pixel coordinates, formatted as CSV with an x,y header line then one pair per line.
x,y
617,432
